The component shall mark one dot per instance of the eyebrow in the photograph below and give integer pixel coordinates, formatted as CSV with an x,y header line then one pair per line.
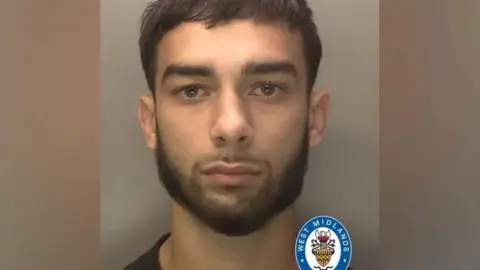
x,y
187,71
250,68
260,68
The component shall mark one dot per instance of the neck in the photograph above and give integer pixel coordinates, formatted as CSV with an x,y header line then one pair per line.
x,y
194,246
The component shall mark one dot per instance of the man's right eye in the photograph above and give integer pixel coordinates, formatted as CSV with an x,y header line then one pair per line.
x,y
192,92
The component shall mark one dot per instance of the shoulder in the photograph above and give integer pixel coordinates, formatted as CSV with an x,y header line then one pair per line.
x,y
148,260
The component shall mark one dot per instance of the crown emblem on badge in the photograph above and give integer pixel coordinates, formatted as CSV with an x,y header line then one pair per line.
x,y
323,236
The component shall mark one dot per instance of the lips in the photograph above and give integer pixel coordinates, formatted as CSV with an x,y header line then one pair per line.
x,y
231,174
233,169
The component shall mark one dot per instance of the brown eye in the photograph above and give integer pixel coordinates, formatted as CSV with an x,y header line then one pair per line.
x,y
266,90
192,92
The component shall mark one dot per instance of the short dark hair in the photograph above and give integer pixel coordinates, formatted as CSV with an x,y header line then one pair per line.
x,y
161,16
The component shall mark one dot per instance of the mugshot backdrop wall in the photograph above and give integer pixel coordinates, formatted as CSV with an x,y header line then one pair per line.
x,y
343,177
49,118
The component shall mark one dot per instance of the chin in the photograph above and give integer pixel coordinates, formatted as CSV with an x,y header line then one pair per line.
x,y
228,204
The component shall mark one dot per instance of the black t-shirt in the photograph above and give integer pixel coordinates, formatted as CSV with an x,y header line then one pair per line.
x,y
149,260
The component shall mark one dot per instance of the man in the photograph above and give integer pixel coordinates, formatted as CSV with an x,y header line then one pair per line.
x,y
231,116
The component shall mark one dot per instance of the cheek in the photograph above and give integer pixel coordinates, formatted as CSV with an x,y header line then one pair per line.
x,y
182,140
282,124
281,139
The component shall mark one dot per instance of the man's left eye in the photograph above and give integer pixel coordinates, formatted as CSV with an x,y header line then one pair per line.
x,y
266,89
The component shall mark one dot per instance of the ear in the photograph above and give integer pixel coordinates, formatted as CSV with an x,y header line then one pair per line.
x,y
318,110
146,117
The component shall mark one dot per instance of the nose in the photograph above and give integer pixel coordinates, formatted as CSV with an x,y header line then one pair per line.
x,y
231,125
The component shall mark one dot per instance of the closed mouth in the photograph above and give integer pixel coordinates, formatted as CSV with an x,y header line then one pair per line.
x,y
231,169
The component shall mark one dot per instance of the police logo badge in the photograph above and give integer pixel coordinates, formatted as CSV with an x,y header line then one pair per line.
x,y
323,243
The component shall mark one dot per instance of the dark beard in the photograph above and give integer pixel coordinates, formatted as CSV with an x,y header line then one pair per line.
x,y
267,204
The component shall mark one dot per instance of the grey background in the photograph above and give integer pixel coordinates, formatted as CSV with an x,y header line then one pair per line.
x,y
342,181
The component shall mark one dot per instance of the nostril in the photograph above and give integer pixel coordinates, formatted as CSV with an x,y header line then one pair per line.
x,y
242,139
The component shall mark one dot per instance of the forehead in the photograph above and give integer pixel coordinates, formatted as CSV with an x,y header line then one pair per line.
x,y
229,46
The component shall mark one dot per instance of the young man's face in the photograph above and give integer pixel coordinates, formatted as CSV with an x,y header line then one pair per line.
x,y
232,121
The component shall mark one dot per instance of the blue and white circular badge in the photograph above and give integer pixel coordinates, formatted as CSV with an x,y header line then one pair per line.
x,y
323,243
